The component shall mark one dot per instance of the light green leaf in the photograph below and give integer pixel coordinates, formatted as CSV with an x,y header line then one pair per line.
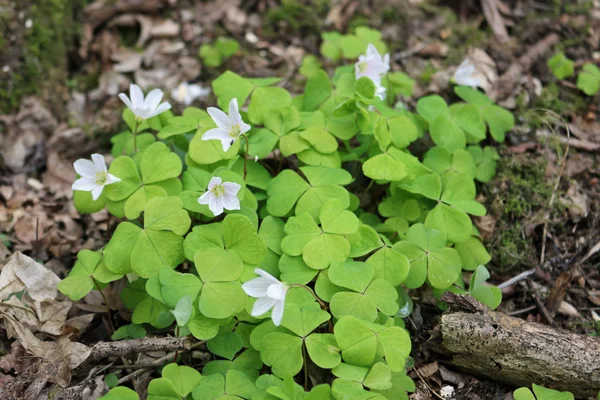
x,y
166,214
266,99
323,350
284,190
384,167
155,250
218,265
282,352
324,250
222,299
472,253
226,345
390,265
560,66
353,275
588,79
336,219
302,313
184,378
240,236
175,285
120,393
299,231
159,163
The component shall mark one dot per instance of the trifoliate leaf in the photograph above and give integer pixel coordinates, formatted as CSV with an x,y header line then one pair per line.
x,y
429,258
323,350
282,352
226,345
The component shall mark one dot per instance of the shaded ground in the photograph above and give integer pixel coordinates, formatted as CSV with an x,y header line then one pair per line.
x,y
63,62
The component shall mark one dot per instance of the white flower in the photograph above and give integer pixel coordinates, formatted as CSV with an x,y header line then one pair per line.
x,y
229,128
144,108
465,74
186,93
269,292
477,70
221,195
94,175
372,65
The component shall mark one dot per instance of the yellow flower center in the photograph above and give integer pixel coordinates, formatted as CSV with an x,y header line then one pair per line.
x,y
362,67
234,131
101,178
218,190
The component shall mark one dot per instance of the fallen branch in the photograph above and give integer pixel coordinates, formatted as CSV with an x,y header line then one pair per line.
x,y
515,352
512,76
121,349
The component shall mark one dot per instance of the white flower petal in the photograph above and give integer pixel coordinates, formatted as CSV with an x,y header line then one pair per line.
x,y
230,202
277,314
84,184
216,134
205,198
277,291
161,109
234,112
220,118
97,191
196,91
372,51
85,168
257,287
215,205
99,163
126,100
266,275
226,143
153,99
231,188
262,305
214,181
110,179
137,96
244,127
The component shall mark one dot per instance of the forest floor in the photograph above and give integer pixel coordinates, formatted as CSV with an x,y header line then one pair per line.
x,y
62,64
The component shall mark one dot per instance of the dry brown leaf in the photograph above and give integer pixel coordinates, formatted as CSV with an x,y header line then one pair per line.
x,y
23,272
64,354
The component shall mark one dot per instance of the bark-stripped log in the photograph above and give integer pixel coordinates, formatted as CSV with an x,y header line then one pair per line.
x,y
516,352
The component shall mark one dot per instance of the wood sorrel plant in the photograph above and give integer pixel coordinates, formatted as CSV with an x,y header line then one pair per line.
x,y
208,200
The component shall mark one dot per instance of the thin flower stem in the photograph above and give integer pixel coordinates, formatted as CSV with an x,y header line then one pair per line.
x,y
304,356
135,129
105,304
246,156
321,303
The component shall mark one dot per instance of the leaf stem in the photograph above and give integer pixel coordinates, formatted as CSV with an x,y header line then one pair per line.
x,y
105,304
246,156
304,356
321,303
135,129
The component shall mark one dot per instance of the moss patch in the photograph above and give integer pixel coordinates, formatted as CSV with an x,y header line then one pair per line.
x,y
518,199
35,55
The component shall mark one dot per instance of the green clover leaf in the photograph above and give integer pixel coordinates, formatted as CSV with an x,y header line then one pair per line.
x,y
302,313
282,352
323,350
184,378
429,258
560,66
491,296
588,79
498,120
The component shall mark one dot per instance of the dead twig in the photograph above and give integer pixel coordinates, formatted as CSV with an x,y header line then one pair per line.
x,y
112,349
515,279
512,76
495,20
